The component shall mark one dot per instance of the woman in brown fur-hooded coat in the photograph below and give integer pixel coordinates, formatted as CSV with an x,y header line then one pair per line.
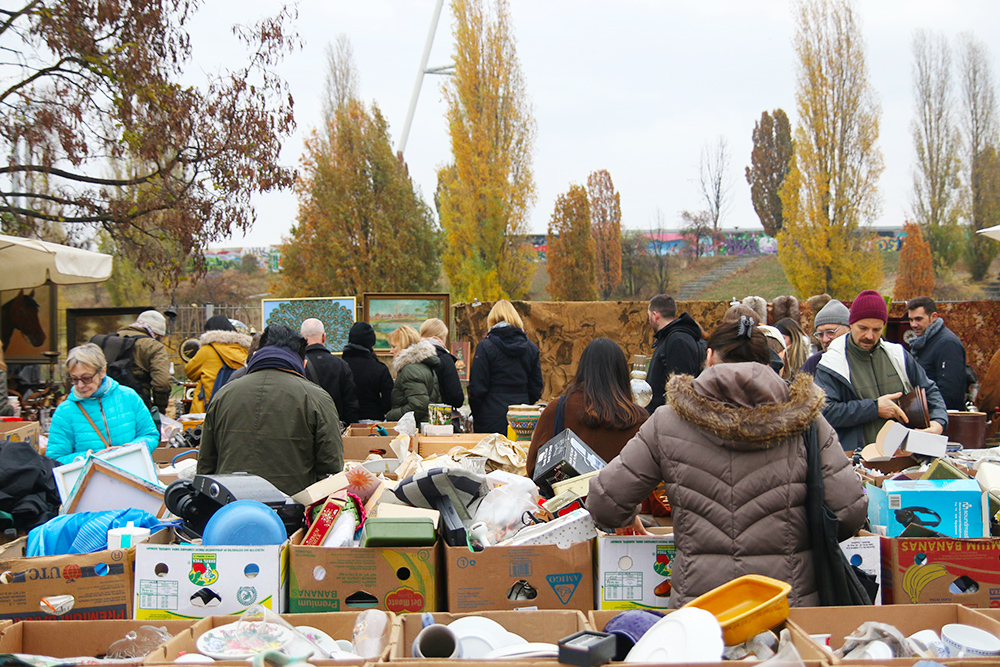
x,y
729,446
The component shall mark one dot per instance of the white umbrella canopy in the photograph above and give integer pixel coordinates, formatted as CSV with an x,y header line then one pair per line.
x,y
993,232
27,263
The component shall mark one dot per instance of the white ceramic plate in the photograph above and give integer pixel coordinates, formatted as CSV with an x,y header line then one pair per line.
x,y
686,635
235,641
478,636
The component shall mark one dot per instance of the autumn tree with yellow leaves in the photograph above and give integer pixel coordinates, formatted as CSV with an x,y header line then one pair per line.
x,y
484,196
361,226
916,268
606,227
830,195
571,248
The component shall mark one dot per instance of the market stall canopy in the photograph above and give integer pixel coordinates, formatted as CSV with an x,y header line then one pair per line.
x,y
993,232
28,263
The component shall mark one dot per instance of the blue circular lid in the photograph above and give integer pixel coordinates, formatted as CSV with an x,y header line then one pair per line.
x,y
244,523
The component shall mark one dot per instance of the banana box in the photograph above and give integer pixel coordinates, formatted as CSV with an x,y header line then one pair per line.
x,y
355,578
633,571
949,507
936,570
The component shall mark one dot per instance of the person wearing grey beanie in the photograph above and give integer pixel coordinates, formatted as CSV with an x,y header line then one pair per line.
x,y
830,324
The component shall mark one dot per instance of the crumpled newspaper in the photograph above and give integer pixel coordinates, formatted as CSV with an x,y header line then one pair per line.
x,y
502,454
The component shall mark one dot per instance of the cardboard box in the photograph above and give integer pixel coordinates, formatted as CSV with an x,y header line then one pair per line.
x,y
164,455
100,583
547,577
537,625
358,447
73,639
367,429
427,445
953,507
176,581
21,432
840,622
345,579
865,552
633,572
338,626
940,570
808,650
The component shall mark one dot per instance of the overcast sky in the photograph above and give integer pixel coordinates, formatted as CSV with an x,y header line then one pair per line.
x,y
637,87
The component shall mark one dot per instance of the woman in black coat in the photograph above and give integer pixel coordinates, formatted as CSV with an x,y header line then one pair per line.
x,y
505,370
372,379
436,332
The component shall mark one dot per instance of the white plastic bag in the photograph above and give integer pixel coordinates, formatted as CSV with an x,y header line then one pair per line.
x,y
407,424
502,510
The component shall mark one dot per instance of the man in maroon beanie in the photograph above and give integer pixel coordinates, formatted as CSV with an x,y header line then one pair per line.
x,y
863,376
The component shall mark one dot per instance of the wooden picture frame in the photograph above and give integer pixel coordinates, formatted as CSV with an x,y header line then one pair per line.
x,y
82,324
338,314
103,486
134,459
390,310
29,321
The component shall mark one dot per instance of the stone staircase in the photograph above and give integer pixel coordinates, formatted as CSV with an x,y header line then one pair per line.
x,y
691,290
992,291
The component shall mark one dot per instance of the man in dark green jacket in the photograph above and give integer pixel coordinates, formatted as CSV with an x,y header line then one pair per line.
x,y
273,422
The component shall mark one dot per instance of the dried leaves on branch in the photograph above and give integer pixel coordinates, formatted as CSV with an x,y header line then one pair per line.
x,y
100,132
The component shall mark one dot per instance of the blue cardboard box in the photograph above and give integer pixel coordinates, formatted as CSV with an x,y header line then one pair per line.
x,y
953,507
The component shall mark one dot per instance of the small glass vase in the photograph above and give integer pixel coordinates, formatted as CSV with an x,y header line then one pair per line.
x,y
642,393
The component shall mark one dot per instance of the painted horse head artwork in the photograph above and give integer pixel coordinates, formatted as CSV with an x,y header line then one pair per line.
x,y
21,313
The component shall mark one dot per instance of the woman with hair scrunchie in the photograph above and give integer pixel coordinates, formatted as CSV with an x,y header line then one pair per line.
x,y
729,445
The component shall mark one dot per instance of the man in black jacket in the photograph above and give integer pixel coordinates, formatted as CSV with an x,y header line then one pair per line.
x,y
938,351
677,346
328,371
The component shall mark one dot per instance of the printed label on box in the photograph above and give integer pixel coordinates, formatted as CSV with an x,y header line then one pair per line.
x,y
634,572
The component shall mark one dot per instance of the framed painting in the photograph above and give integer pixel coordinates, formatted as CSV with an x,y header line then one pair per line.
x,y
387,312
29,324
82,324
462,350
337,313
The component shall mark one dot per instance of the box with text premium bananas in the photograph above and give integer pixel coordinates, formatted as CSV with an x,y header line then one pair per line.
x,y
513,577
80,587
355,578
941,570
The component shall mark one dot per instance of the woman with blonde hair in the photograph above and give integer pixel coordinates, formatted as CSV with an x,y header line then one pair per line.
x,y
796,345
505,370
435,331
416,386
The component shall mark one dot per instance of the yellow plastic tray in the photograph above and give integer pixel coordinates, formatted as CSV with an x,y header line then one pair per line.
x,y
746,606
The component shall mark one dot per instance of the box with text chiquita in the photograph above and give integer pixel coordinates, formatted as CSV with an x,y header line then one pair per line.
x,y
633,572
402,579
180,581
542,576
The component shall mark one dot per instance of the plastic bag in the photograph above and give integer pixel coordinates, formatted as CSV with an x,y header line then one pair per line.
x,y
407,424
501,510
369,633
169,428
138,643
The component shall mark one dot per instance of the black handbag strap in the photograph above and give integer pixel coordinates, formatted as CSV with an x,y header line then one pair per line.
x,y
560,424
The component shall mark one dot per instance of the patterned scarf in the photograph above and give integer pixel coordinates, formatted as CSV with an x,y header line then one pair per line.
x,y
921,340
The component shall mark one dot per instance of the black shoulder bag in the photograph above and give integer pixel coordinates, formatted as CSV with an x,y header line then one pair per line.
x,y
837,581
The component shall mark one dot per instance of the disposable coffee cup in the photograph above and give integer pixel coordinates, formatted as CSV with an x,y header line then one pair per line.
x,y
125,538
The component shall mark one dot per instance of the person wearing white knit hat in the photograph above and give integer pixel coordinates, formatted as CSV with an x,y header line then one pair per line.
x,y
150,360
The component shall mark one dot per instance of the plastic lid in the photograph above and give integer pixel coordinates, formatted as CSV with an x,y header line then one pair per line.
x,y
245,523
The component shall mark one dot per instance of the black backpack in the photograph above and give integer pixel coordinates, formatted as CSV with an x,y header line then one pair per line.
x,y
119,352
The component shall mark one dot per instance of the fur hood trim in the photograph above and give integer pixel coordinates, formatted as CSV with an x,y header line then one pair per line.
x,y
226,338
748,428
420,351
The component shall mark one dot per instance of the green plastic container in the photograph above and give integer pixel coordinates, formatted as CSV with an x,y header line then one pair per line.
x,y
398,532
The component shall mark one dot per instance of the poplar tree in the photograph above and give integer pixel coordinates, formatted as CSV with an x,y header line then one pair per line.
x,y
571,248
606,226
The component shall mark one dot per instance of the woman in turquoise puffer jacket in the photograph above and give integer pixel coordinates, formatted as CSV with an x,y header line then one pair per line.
x,y
117,415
